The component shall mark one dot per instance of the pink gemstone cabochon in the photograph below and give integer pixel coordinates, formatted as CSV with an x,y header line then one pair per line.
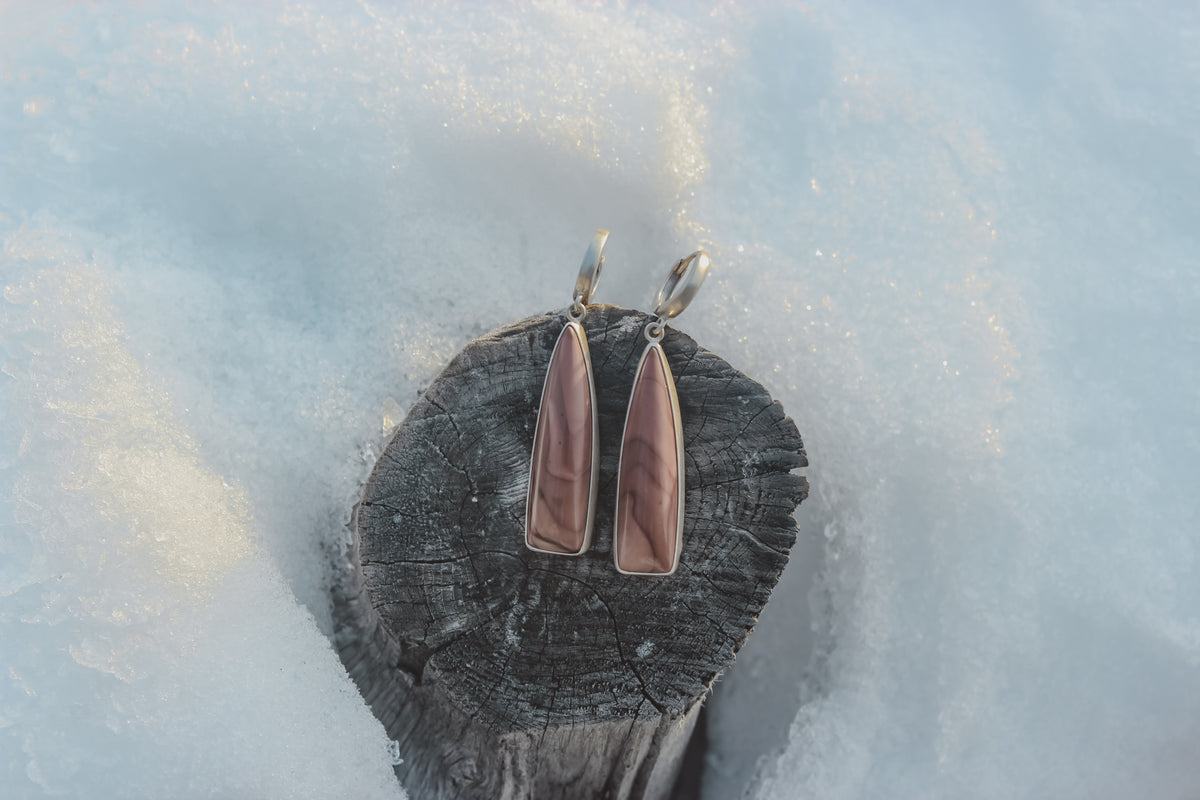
x,y
650,479
561,475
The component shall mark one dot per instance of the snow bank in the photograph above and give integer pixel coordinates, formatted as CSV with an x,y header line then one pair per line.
x,y
150,645
959,245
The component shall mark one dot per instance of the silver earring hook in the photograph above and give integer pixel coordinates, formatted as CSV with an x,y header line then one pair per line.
x,y
682,284
589,272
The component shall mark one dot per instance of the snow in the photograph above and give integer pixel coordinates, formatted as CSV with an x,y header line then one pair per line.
x,y
959,245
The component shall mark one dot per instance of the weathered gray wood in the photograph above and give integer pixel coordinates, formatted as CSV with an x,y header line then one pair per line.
x,y
505,673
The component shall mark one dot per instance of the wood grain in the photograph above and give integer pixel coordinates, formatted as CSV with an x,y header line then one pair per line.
x,y
506,673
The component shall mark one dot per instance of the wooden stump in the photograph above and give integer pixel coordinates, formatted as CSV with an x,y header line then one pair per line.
x,y
505,673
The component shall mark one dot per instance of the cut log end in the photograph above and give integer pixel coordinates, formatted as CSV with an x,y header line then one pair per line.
x,y
506,672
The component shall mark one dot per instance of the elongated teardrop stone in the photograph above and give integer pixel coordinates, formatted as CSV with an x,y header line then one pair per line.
x,y
557,516
650,484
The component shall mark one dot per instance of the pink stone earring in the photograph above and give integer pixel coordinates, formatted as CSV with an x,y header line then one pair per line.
x,y
649,519
564,465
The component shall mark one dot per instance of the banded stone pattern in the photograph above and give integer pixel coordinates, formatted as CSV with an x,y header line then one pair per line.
x,y
504,672
562,469
650,481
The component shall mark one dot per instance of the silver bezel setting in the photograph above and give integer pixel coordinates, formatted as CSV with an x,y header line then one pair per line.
x,y
591,509
678,451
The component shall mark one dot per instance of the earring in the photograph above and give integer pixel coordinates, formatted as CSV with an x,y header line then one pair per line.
x,y
649,518
564,464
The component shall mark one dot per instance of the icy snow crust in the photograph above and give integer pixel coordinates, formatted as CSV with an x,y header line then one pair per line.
x,y
959,245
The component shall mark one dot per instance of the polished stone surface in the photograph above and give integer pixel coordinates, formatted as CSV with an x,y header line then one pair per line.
x,y
560,479
649,486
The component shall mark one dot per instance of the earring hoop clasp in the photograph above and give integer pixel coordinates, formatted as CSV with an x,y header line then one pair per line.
x,y
589,271
682,284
